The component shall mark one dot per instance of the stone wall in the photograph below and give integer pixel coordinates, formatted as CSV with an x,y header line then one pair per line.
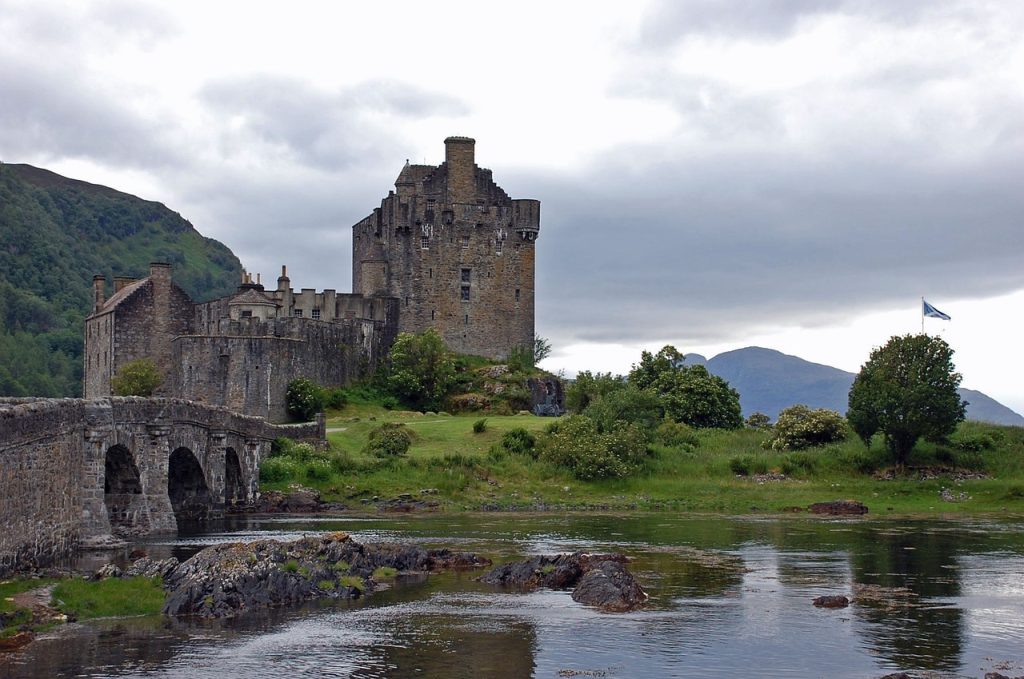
x,y
55,456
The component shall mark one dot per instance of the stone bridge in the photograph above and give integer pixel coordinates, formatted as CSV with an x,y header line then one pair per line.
x,y
75,469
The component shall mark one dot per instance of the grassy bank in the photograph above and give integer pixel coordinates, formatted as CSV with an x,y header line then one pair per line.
x,y
32,605
728,471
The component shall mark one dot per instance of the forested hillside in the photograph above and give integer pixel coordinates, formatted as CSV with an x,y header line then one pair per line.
x,y
55,234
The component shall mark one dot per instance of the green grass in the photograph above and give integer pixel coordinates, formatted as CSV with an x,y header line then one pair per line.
x,y
385,573
447,456
83,599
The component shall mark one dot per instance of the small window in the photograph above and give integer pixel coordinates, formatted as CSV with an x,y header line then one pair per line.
x,y
298,313
316,314
465,242
424,242
465,293
497,246
247,313
467,319
431,274
517,294
465,275
431,314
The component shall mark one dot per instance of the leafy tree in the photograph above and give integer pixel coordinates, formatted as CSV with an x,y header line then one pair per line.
x,y
907,390
652,366
589,387
420,369
637,406
541,349
136,378
758,421
695,397
800,427
304,399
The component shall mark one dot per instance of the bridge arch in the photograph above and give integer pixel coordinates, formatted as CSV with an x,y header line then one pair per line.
x,y
234,480
186,487
122,491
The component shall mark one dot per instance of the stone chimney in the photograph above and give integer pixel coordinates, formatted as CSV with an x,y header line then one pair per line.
x,y
459,155
122,281
99,284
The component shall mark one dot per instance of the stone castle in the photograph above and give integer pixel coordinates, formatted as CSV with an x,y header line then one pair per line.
x,y
448,250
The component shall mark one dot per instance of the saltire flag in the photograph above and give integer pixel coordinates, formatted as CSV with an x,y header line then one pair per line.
x,y
932,312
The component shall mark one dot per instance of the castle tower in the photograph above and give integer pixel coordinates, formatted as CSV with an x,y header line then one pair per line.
x,y
456,251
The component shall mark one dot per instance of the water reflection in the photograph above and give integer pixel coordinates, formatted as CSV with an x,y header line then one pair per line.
x,y
727,596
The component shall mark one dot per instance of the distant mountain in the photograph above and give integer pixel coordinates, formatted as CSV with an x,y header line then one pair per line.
x,y
769,381
55,234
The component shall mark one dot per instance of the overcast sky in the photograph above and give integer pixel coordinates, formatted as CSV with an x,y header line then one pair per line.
x,y
794,174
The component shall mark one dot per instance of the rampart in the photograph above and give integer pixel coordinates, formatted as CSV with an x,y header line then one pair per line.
x,y
75,469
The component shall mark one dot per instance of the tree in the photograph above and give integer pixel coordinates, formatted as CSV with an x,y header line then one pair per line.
x,y
689,394
541,348
420,369
136,378
589,387
907,390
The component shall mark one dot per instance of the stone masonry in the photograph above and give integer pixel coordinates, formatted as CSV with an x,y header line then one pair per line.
x,y
456,252
72,469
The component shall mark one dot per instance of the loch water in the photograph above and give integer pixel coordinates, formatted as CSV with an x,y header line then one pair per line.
x,y
729,597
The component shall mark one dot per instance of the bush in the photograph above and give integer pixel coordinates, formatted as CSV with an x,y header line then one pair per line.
x,y
798,463
745,465
335,398
758,421
390,439
575,443
629,405
480,426
676,435
304,399
799,427
136,378
974,443
318,470
275,469
519,441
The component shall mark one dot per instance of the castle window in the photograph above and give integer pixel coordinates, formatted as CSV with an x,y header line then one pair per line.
x,y
431,314
298,313
465,275
465,242
246,313
467,319
431,275
497,246
517,294
316,314
424,242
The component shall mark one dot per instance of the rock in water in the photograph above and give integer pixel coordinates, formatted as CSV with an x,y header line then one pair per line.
x,y
225,580
608,585
600,580
832,602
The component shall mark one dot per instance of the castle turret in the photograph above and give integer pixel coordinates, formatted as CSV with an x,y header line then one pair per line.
x,y
459,155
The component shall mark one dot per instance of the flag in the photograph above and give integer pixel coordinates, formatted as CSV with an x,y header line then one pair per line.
x,y
932,312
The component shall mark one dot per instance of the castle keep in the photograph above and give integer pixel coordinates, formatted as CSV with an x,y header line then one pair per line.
x,y
456,252
448,250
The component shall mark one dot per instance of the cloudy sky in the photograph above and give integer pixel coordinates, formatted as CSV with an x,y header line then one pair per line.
x,y
787,173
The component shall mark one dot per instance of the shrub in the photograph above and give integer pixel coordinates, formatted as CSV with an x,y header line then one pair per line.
x,y
745,465
480,426
575,443
275,469
798,463
676,435
519,441
335,398
136,378
390,439
758,421
974,443
304,399
318,470
799,427
628,404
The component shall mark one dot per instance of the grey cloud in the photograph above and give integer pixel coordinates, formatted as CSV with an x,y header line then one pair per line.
x,y
328,129
712,248
670,20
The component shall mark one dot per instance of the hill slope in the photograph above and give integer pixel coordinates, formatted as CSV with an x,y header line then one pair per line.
x,y
55,234
769,381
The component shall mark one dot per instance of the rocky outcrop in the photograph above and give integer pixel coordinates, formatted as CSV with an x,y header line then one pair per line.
x,y
839,508
228,579
832,601
600,580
